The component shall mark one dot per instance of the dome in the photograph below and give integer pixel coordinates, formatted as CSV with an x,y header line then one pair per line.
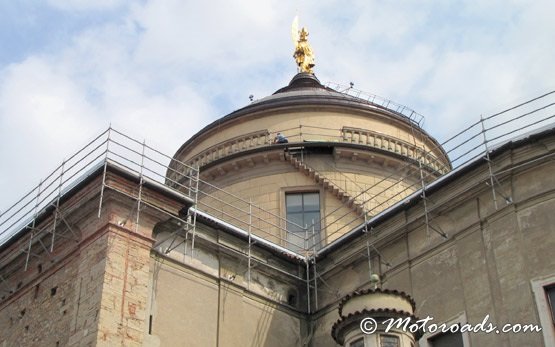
x,y
359,157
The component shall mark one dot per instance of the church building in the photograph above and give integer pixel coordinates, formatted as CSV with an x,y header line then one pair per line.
x,y
289,222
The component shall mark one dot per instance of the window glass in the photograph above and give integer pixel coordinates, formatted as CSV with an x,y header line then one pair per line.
x,y
311,202
312,217
550,292
357,343
295,222
301,210
389,341
294,202
446,340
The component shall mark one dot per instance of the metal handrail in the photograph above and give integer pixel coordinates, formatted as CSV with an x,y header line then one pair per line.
x,y
300,135
464,147
377,100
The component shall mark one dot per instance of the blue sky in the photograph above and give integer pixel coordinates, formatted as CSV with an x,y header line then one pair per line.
x,y
161,70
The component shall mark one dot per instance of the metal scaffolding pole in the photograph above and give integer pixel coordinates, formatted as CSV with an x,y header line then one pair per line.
x,y
104,172
249,256
427,219
194,217
368,244
314,266
174,236
140,188
488,160
369,257
57,207
424,200
33,226
307,268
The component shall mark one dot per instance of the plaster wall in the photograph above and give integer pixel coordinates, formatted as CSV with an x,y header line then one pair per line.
x,y
307,123
485,267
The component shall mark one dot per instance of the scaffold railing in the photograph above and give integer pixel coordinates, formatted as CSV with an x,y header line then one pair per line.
x,y
475,141
149,164
303,134
377,100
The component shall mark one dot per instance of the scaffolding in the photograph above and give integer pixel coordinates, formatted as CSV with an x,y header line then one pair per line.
x,y
473,144
39,218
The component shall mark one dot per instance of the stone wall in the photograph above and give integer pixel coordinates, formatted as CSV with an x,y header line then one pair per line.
x,y
310,124
487,264
108,286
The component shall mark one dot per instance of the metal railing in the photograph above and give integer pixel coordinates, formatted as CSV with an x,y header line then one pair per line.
x,y
432,160
377,100
475,141
40,217
110,146
114,147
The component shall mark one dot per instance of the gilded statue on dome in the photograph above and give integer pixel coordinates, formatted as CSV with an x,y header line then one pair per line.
x,y
304,57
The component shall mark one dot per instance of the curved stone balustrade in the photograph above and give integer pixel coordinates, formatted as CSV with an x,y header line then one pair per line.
x,y
385,142
231,146
346,134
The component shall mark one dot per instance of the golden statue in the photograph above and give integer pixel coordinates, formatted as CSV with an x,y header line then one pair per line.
x,y
303,53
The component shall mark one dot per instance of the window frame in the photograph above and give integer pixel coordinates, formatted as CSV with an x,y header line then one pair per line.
x,y
459,319
545,315
360,339
283,208
432,340
550,305
384,335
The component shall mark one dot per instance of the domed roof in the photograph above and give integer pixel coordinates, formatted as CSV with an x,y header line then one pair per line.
x,y
307,88
303,80
304,90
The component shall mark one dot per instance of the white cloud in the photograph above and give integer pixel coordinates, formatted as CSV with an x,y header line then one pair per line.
x,y
52,104
85,5
161,70
43,117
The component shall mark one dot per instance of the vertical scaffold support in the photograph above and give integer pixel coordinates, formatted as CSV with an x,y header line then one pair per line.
x,y
420,153
368,244
488,161
195,204
422,183
104,172
369,255
424,200
140,195
307,261
33,225
249,251
314,266
427,218
57,207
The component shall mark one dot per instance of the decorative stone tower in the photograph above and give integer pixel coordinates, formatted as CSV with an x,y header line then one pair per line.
x,y
365,316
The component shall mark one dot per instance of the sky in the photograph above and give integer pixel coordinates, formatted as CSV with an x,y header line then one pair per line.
x,y
161,70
